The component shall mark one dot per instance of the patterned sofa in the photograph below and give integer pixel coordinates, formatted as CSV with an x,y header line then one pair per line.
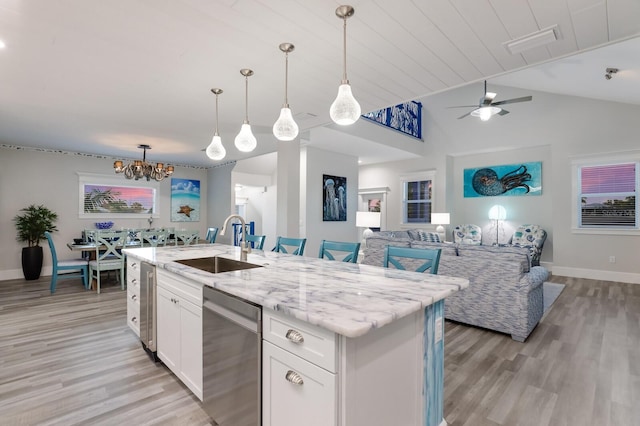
x,y
505,291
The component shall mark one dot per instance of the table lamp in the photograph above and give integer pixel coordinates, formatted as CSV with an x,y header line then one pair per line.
x,y
497,213
367,220
440,219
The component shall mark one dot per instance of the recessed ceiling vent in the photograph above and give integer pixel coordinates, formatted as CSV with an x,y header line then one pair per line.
x,y
533,40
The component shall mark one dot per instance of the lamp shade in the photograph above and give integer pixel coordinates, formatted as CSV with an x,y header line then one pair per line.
x,y
368,219
440,218
497,212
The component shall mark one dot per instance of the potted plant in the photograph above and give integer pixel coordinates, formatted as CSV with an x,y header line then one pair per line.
x,y
31,227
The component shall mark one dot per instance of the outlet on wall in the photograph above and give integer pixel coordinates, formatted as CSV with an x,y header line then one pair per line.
x,y
612,259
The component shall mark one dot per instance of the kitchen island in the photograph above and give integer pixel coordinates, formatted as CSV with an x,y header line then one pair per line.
x,y
380,359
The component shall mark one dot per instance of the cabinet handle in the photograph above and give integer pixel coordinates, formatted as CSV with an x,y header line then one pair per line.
x,y
294,378
294,336
134,319
134,265
134,297
134,281
174,300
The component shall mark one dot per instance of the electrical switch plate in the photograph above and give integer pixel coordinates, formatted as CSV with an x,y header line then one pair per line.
x,y
438,330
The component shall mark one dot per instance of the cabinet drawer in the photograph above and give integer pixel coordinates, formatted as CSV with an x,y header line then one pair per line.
x,y
180,286
133,316
133,272
310,402
312,343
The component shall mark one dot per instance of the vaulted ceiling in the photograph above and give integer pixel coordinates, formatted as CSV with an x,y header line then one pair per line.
x,y
102,77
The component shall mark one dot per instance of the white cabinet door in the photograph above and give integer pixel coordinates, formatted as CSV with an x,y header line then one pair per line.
x,y
295,391
168,332
133,295
191,346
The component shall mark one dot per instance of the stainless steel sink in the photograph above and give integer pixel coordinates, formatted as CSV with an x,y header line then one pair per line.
x,y
217,264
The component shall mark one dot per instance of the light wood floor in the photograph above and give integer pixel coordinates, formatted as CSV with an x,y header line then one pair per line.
x,y
70,359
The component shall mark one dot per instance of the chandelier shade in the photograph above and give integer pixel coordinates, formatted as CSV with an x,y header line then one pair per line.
x,y
216,150
285,128
245,141
141,169
345,110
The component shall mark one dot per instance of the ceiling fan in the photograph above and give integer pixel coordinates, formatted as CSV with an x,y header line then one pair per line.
x,y
487,108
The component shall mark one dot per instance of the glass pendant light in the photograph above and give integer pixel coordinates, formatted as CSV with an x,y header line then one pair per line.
x,y
345,109
285,128
245,141
215,150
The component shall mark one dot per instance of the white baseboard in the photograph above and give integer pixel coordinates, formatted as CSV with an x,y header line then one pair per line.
x,y
16,274
595,274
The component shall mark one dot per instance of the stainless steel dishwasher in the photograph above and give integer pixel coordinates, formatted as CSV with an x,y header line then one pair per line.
x,y
232,359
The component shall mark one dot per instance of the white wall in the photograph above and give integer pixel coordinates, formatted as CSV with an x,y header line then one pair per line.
x,y
553,129
34,177
314,163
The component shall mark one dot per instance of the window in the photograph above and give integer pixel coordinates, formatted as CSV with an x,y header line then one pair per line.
x,y
607,196
416,199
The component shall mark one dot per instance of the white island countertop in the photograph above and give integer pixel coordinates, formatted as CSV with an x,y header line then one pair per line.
x,y
346,298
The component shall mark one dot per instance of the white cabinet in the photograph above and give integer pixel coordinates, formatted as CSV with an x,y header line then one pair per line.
x,y
295,391
312,376
133,294
299,373
179,328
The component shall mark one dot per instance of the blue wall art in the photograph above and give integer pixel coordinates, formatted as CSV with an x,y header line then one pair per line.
x,y
185,200
405,118
510,179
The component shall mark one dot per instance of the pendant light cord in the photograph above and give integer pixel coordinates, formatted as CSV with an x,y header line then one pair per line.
x,y
344,53
286,79
246,99
216,134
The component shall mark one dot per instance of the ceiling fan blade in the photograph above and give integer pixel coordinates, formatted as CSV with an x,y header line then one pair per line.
x,y
503,112
463,116
514,100
464,106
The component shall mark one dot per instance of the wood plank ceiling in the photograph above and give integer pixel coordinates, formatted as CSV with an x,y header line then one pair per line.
x,y
101,77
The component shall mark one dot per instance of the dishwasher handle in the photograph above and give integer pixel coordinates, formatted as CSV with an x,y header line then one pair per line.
x,y
250,324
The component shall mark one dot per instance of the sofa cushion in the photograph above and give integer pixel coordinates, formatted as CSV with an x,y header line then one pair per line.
x,y
447,249
508,253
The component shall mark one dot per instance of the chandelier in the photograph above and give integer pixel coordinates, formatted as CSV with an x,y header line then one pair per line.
x,y
141,169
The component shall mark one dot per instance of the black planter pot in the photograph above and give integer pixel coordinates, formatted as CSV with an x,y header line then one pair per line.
x,y
32,262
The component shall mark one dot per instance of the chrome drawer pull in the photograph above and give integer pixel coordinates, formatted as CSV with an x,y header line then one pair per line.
x,y
134,319
294,378
134,297
294,336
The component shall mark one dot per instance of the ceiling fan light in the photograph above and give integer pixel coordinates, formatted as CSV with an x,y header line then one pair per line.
x,y
486,112
245,141
216,150
345,110
285,128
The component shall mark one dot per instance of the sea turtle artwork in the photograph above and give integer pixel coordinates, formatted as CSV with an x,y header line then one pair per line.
x,y
185,210
514,179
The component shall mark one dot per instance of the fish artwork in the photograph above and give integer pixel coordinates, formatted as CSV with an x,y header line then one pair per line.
x,y
185,210
486,181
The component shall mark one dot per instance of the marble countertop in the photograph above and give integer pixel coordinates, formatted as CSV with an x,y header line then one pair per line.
x,y
346,298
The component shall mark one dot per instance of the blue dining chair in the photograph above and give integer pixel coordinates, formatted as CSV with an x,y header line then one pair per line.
x,y
109,256
431,258
296,245
257,241
212,234
328,247
79,265
154,238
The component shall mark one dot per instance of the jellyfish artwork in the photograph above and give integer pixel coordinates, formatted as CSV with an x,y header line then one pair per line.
x,y
486,181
